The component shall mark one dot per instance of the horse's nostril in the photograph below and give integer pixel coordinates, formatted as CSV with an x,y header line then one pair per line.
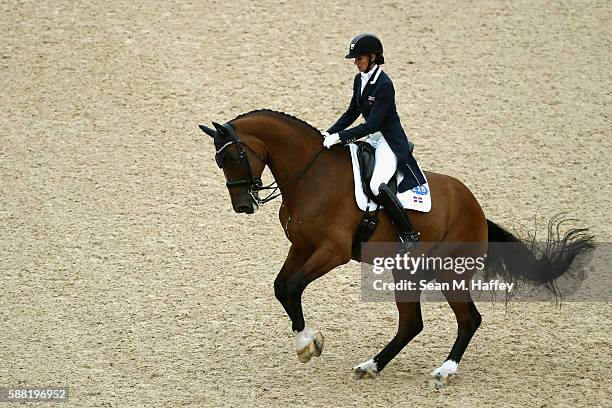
x,y
245,209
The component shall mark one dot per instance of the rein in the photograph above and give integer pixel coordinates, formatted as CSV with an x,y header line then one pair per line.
x,y
274,186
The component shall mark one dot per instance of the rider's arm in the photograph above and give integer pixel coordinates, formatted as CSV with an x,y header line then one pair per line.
x,y
385,98
347,119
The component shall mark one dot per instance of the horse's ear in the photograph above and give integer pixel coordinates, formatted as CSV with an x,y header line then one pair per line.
x,y
219,128
210,132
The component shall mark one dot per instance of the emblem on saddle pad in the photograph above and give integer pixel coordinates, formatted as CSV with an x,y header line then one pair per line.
x,y
371,98
420,190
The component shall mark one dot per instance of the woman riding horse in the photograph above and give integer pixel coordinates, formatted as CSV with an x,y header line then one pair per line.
x,y
374,98
309,177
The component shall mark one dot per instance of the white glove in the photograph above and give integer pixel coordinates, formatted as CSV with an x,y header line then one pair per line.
x,y
331,140
325,134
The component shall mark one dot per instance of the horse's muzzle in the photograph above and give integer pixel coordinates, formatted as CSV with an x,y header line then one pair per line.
x,y
246,209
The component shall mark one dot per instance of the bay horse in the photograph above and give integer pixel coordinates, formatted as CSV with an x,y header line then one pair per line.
x,y
319,216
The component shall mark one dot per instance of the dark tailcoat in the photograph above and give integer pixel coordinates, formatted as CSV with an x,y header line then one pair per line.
x,y
377,105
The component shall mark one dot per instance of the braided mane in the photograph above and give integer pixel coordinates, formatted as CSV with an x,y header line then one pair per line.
x,y
278,114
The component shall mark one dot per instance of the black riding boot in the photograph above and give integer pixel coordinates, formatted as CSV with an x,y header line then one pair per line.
x,y
407,235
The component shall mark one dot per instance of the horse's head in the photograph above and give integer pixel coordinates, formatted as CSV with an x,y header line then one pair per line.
x,y
242,165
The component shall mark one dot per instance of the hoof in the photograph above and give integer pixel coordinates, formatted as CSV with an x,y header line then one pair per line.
x,y
318,342
438,383
305,354
313,348
442,374
365,370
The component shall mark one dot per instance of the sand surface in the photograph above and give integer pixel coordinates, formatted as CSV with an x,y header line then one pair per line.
x,y
125,274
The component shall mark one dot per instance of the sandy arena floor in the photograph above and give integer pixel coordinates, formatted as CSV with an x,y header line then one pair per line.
x,y
125,274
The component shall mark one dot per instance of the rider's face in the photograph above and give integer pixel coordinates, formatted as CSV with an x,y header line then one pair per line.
x,y
362,62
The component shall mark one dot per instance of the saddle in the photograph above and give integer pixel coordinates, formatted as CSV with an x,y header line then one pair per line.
x,y
366,158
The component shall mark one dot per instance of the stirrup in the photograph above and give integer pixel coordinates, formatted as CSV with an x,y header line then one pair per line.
x,y
408,241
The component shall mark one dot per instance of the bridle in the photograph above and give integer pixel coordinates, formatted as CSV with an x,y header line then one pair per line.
x,y
254,184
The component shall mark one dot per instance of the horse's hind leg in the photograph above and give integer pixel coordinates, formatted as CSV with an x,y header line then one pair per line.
x,y
410,324
468,320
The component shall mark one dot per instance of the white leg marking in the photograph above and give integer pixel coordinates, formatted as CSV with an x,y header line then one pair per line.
x,y
303,338
449,367
369,369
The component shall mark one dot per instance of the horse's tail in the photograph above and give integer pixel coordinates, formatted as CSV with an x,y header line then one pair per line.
x,y
536,262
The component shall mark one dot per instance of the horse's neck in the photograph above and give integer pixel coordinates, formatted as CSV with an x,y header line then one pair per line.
x,y
290,149
290,146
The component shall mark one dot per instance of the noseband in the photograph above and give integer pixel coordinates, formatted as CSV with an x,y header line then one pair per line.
x,y
254,184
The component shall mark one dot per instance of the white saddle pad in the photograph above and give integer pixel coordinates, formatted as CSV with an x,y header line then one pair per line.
x,y
418,199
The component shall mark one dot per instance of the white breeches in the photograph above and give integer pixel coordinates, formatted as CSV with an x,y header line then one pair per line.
x,y
386,161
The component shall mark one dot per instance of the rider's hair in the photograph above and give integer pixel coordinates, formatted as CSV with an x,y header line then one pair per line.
x,y
379,59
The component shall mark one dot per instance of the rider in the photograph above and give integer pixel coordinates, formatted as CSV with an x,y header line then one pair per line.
x,y
374,98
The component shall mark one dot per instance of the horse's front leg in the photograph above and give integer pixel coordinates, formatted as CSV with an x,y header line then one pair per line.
x,y
289,285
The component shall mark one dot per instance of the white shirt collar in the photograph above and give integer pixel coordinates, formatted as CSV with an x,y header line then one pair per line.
x,y
365,76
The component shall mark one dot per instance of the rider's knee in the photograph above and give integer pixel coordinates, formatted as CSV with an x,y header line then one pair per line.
x,y
375,186
380,185
374,189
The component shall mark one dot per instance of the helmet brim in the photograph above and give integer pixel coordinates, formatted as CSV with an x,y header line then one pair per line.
x,y
351,55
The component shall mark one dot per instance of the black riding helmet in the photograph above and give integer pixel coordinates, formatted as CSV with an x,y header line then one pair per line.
x,y
364,43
